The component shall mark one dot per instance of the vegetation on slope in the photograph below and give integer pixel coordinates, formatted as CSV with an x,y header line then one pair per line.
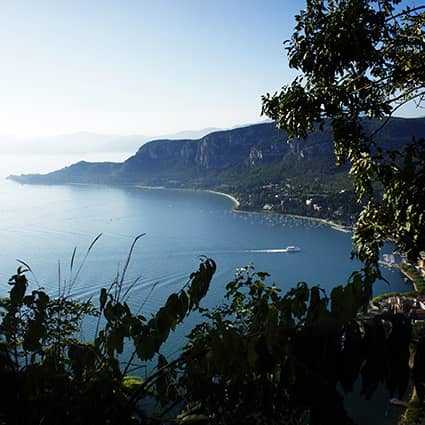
x,y
261,357
257,164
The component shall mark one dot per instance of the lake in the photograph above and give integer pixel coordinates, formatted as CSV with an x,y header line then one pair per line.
x,y
41,225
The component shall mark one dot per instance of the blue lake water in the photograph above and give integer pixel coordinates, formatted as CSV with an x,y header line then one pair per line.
x,y
41,225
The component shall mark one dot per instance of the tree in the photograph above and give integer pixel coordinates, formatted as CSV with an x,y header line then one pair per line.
x,y
260,357
49,376
273,358
362,59
278,359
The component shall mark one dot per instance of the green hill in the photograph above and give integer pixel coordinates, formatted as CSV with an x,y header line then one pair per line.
x,y
256,163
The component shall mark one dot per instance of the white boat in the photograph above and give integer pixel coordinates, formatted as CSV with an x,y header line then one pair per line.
x,y
292,248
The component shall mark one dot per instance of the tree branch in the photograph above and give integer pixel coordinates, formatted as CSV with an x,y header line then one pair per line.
x,y
405,12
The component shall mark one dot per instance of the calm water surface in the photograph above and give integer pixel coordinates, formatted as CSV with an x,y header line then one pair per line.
x,y
41,225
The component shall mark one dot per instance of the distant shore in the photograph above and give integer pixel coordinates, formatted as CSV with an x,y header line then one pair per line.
x,y
335,226
236,203
232,198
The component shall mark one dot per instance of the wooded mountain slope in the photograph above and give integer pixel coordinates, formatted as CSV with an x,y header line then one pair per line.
x,y
244,156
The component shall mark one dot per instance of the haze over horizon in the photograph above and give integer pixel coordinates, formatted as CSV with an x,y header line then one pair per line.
x,y
88,142
140,68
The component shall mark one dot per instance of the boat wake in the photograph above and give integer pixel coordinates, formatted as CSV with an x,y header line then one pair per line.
x,y
288,249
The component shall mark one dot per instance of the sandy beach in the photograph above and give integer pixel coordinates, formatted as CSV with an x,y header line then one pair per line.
x,y
335,226
232,198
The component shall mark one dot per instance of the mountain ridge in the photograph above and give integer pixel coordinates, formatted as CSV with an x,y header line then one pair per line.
x,y
249,146
256,163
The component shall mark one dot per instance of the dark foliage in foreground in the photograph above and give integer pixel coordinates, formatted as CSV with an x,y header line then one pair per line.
x,y
262,357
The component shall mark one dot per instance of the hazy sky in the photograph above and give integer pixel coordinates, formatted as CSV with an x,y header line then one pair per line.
x,y
142,66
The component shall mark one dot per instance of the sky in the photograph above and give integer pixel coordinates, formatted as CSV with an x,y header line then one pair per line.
x,y
139,67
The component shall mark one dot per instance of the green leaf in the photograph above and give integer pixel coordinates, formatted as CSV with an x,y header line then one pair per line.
x,y
103,298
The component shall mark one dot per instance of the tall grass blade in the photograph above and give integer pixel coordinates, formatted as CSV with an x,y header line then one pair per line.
x,y
131,286
92,244
128,262
72,259
59,277
147,297
74,279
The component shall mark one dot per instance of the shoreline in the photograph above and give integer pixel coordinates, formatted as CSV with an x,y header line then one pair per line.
x,y
333,225
236,203
227,195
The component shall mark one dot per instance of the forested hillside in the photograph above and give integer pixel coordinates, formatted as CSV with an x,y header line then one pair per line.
x,y
258,164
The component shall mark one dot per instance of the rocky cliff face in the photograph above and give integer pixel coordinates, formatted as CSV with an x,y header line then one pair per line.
x,y
165,161
216,151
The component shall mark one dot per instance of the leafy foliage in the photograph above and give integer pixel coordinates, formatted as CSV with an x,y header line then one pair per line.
x,y
271,358
48,376
362,59
261,357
